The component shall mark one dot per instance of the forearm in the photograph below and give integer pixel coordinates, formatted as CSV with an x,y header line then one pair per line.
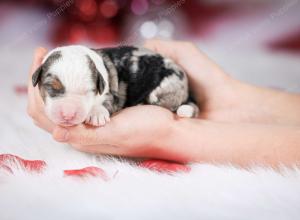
x,y
270,105
285,107
240,144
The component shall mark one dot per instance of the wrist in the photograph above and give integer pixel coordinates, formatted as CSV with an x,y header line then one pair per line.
x,y
182,141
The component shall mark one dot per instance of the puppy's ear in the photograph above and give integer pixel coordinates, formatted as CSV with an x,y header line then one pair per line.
x,y
36,77
100,83
96,75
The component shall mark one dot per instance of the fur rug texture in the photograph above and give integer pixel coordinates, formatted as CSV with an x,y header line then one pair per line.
x,y
131,192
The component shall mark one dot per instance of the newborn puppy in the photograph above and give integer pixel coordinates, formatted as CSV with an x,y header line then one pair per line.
x,y
79,84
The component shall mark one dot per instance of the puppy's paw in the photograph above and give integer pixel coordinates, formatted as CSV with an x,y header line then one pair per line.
x,y
189,110
99,116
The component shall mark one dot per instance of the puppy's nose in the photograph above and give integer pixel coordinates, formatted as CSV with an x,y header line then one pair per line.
x,y
68,113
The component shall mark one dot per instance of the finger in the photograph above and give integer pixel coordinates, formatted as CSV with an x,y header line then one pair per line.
x,y
37,60
164,47
35,103
39,54
42,121
152,44
85,135
101,149
183,53
189,57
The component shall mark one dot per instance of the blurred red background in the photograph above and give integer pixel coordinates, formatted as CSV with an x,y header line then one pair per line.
x,y
256,41
130,21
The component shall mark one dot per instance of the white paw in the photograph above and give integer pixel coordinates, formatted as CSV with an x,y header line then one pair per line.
x,y
99,116
186,111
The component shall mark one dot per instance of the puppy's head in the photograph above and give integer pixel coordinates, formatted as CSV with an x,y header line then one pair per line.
x,y
69,80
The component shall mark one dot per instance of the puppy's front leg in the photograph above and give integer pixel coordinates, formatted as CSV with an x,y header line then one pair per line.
x,y
98,116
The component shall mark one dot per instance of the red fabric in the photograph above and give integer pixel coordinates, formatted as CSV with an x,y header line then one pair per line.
x,y
87,172
20,89
9,160
164,166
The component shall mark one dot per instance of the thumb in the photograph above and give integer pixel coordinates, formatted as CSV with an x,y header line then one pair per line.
x,y
164,47
60,134
39,54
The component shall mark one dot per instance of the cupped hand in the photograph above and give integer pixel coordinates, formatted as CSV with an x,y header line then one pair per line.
x,y
35,106
213,89
147,131
141,130
220,97
136,131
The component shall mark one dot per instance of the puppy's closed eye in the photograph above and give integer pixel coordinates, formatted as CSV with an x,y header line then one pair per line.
x,y
53,86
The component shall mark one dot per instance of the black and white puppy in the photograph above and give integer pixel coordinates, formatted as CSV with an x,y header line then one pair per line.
x,y
79,84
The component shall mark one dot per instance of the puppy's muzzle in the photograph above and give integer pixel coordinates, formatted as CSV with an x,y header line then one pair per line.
x,y
68,111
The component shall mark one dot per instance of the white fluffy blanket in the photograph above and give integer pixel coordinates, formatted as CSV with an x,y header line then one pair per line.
x,y
206,192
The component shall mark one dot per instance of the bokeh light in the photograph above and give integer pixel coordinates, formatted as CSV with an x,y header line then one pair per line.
x,y
87,9
148,29
139,7
109,8
165,28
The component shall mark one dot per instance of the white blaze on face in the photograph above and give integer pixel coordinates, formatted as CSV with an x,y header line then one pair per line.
x,y
72,69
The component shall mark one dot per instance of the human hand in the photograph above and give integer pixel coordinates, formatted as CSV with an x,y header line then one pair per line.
x,y
136,132
133,132
148,134
222,98
35,106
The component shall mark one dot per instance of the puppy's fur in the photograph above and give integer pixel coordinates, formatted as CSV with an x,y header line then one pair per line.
x,y
79,84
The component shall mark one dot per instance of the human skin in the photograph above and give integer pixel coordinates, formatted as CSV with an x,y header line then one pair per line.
x,y
239,123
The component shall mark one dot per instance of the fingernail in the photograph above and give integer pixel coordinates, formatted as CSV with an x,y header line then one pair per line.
x,y
61,134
